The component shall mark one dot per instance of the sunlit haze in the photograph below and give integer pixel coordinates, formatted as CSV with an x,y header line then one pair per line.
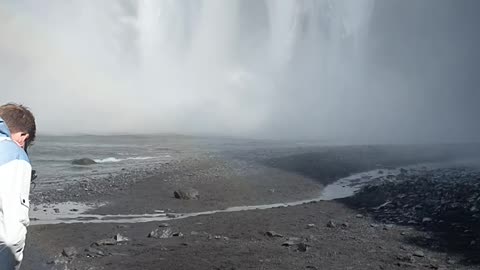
x,y
359,71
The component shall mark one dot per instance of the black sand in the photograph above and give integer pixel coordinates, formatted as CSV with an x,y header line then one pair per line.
x,y
237,240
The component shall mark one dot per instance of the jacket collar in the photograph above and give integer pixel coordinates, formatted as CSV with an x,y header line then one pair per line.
x,y
4,131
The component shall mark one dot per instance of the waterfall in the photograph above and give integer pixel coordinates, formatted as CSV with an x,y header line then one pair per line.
x,y
170,61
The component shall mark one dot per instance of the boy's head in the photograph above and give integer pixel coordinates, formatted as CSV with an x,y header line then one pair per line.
x,y
20,122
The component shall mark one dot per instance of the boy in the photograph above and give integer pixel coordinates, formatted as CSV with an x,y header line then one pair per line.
x,y
17,132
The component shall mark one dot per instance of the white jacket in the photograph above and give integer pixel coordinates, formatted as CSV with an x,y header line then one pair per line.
x,y
15,177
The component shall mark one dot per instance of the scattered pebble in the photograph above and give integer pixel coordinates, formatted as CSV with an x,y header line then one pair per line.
x,y
273,234
426,219
331,224
387,227
94,252
159,233
106,242
69,252
418,253
58,261
288,243
120,238
302,247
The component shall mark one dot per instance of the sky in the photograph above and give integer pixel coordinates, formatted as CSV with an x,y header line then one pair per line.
x,y
365,71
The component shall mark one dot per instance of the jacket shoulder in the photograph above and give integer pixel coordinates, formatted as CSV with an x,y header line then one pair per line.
x,y
10,151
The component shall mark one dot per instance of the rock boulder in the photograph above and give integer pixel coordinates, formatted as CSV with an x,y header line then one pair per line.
x,y
186,194
83,161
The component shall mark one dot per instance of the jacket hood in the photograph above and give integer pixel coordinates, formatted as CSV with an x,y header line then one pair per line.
x,y
4,131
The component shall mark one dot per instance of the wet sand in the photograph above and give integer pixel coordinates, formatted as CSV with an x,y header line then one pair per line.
x,y
323,235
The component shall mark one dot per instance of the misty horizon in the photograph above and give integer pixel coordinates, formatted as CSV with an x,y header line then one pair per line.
x,y
337,71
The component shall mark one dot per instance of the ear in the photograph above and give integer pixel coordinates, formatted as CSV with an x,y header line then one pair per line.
x,y
21,138
25,137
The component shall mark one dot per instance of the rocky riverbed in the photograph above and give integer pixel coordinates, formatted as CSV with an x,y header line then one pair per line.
x,y
443,201
325,235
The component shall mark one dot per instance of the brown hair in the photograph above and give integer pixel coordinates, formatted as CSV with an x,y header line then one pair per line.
x,y
19,119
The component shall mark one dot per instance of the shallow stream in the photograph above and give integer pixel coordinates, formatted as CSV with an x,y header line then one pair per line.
x,y
71,212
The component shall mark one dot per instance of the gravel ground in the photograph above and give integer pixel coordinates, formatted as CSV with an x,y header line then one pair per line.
x,y
324,235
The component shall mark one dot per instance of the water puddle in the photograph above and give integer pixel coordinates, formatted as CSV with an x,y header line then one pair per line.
x,y
76,212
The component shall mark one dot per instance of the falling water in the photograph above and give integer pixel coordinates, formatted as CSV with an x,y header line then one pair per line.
x,y
213,60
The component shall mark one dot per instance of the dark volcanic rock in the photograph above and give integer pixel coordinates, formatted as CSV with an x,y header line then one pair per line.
x,y
302,247
106,242
177,234
331,224
83,161
69,252
94,252
186,194
445,201
273,234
